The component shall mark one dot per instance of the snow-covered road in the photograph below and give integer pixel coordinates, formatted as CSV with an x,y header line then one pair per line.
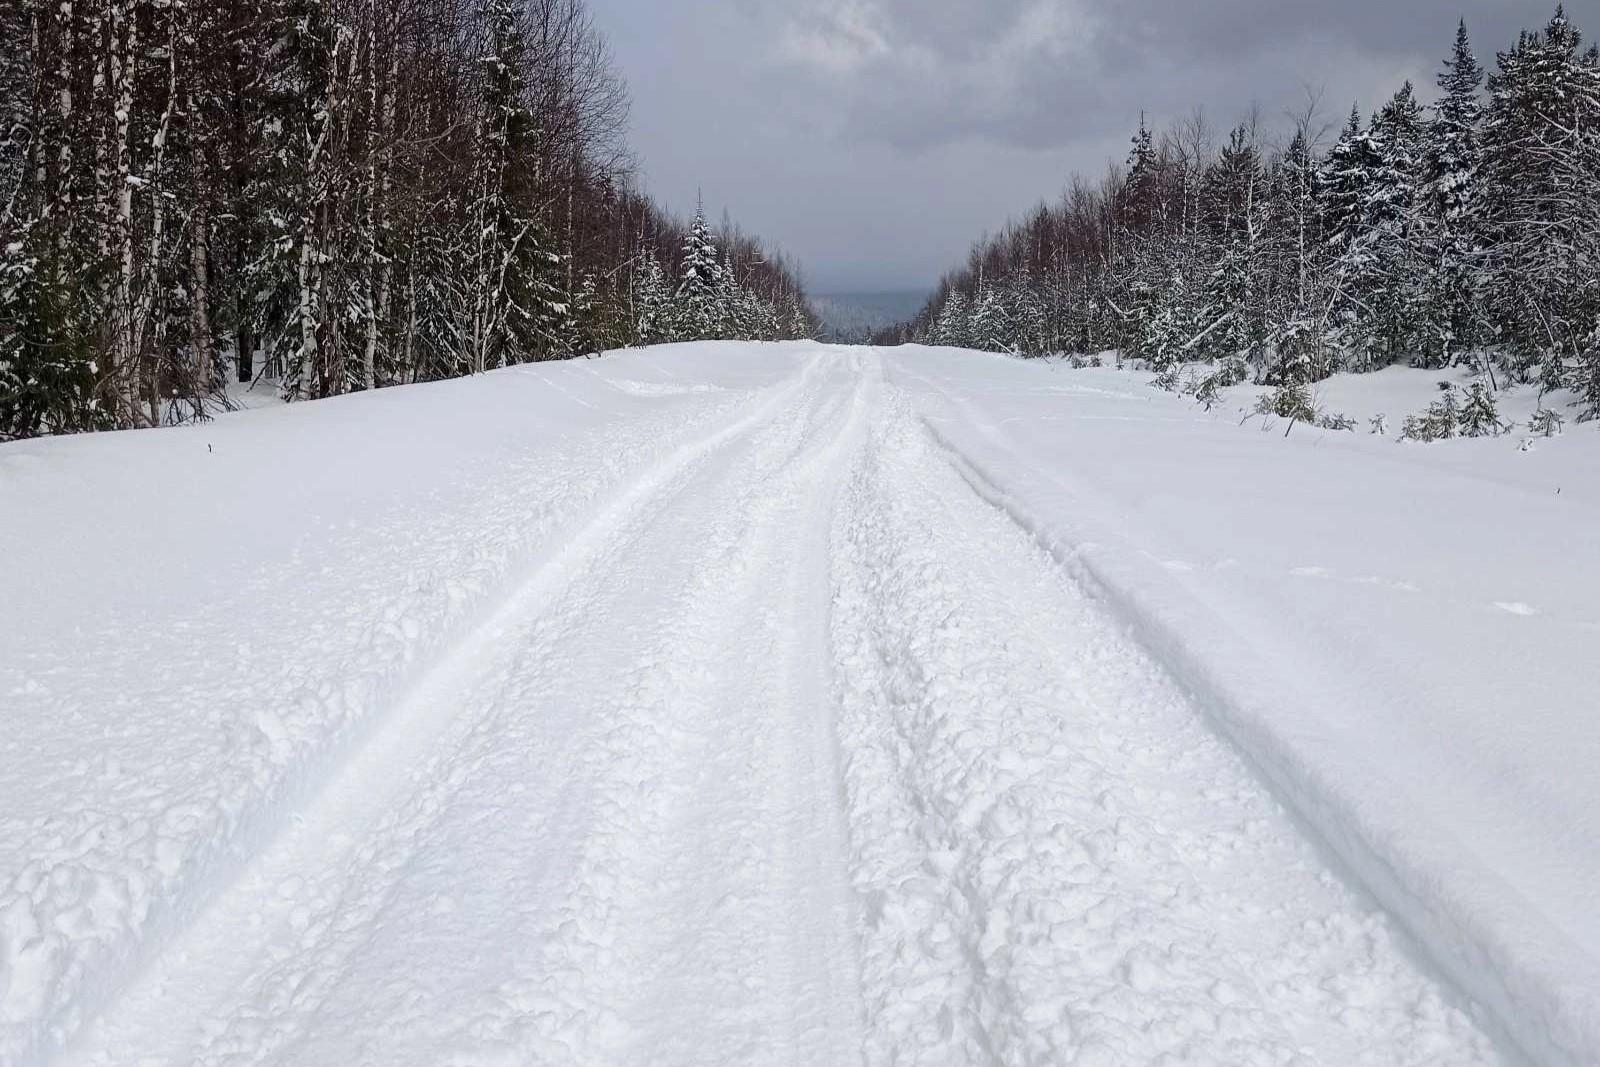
x,y
696,706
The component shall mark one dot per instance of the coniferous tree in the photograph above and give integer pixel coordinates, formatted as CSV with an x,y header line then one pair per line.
x,y
1541,183
517,314
652,302
700,303
1453,203
1389,259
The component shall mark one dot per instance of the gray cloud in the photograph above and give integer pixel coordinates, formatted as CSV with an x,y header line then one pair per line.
x,y
876,138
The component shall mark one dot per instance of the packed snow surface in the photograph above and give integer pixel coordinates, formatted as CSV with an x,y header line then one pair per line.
x,y
756,704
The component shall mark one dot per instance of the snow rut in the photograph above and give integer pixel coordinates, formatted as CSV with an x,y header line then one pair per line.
x,y
798,752
595,838
105,882
1059,862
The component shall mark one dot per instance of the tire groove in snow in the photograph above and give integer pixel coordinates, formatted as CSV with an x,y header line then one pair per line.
x,y
798,750
405,657
1060,863
544,766
667,933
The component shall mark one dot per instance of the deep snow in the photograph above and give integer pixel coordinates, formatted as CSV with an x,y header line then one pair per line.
x,y
756,703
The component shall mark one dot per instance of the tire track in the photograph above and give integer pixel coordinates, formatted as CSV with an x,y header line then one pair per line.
x,y
1061,862
516,802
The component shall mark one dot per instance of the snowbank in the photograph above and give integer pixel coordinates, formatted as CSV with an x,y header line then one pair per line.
x,y
1401,637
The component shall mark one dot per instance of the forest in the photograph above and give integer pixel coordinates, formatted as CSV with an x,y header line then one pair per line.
x,y
1465,231
332,195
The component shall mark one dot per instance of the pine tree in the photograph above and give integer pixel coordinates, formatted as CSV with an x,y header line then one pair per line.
x,y
1024,311
1453,205
1298,309
952,326
1541,166
1141,190
652,301
1392,280
992,328
1480,416
700,303
1230,314
1343,181
1168,326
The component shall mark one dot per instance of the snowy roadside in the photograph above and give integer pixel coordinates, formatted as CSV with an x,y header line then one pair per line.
x,y
168,710
1400,640
1059,861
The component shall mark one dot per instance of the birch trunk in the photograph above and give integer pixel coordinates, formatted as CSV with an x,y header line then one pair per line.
x,y
147,312
310,230
384,155
124,44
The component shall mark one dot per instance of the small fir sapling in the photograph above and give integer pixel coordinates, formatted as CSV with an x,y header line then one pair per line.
x,y
1546,423
1479,416
1439,423
1169,380
1293,402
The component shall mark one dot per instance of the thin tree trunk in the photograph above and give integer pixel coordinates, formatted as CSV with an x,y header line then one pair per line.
x,y
125,40
147,312
309,271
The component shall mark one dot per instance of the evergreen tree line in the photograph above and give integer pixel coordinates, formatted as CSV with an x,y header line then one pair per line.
x,y
1466,231
337,194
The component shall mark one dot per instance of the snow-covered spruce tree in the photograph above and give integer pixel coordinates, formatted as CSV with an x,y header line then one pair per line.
x,y
1541,185
952,326
1440,422
1453,227
1230,313
1298,342
518,313
1174,325
1480,415
743,317
652,301
1343,180
700,303
1140,201
992,327
1386,280
1025,312
801,323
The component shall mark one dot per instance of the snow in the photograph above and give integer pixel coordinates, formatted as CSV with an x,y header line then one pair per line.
x,y
1338,604
729,703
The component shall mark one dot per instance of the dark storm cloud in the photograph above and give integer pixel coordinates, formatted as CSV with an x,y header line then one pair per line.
x,y
1048,73
876,138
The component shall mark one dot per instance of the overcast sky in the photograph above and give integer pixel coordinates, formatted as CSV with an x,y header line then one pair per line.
x,y
876,139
